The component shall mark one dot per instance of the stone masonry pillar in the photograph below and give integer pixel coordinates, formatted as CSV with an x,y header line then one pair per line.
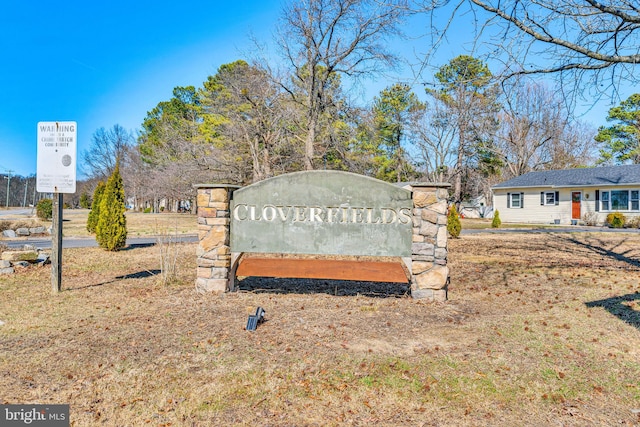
x,y
214,253
429,271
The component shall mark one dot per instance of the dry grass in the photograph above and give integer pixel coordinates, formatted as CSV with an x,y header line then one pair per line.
x,y
540,329
138,223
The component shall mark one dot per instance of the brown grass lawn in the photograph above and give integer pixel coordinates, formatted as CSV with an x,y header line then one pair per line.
x,y
138,224
539,330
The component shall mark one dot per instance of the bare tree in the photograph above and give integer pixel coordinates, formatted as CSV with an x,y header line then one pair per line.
x,y
536,132
320,39
435,135
107,148
582,41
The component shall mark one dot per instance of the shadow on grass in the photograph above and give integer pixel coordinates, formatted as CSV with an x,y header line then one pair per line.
x,y
132,246
621,307
139,275
322,286
598,247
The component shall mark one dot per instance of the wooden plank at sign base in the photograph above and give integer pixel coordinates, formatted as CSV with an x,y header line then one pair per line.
x,y
368,271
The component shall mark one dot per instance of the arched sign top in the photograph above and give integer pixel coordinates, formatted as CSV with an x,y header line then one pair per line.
x,y
322,212
328,183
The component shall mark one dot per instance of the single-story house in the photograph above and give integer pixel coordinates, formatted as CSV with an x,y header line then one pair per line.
x,y
569,196
475,208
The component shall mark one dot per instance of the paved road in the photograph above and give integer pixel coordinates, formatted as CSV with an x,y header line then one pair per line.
x,y
88,242
16,212
560,229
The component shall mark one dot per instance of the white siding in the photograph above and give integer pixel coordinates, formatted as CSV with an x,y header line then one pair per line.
x,y
533,212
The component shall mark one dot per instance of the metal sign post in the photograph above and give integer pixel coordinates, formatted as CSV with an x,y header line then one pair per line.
x,y
56,173
56,243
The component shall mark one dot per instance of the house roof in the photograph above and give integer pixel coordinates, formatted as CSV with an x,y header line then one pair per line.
x,y
585,177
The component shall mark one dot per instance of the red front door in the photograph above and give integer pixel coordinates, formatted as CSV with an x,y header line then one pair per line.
x,y
575,204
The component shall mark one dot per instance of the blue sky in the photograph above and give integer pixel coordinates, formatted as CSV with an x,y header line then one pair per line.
x,y
107,63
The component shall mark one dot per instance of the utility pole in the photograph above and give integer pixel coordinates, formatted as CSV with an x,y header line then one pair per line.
x,y
8,178
26,187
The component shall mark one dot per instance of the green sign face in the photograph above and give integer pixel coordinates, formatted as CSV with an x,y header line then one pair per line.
x,y
322,212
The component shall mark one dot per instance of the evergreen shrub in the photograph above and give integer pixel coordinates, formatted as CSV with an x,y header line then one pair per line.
x,y
454,226
111,229
85,201
616,220
496,222
94,214
44,209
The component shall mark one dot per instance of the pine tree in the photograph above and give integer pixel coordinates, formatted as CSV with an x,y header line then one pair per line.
x,y
111,230
85,202
92,220
454,226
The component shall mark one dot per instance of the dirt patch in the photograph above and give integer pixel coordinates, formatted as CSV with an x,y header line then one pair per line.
x,y
540,329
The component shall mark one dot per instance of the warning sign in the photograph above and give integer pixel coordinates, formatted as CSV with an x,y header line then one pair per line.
x,y
56,169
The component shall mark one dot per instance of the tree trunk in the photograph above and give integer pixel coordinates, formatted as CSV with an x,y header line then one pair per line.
x,y
309,145
457,183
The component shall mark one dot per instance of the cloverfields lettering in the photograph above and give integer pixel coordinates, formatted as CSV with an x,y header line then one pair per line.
x,y
319,214
322,213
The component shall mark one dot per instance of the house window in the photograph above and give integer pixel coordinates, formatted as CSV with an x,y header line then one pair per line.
x,y
549,198
515,200
605,200
620,200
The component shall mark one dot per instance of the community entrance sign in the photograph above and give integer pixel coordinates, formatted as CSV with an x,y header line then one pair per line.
x,y
324,224
322,212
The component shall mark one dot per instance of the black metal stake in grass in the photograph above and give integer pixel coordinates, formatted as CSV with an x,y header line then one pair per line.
x,y
56,244
252,322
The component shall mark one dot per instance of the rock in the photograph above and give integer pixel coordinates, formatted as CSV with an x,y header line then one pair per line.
x,y
428,229
5,264
422,249
211,285
215,237
22,231
430,294
37,230
9,234
15,256
440,207
435,278
441,253
9,270
422,294
441,237
43,259
422,199
21,264
429,215
418,267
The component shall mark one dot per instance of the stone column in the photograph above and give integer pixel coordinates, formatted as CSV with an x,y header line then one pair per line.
x,y
214,253
429,271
